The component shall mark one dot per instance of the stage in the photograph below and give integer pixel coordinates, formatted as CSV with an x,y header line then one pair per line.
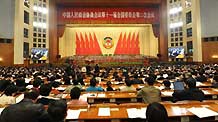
x,y
111,60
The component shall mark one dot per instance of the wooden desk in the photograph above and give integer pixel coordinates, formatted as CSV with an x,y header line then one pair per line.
x,y
120,97
102,97
208,92
117,85
119,112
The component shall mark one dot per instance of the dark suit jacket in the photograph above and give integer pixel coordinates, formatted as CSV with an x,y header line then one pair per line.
x,y
137,81
25,111
44,100
109,89
188,94
201,79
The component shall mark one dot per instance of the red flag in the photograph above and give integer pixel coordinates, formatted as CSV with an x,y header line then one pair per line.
x,y
132,44
91,44
87,45
117,50
82,44
123,45
97,47
128,44
77,45
137,45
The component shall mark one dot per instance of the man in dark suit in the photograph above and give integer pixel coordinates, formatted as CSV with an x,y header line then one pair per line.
x,y
44,92
25,111
201,77
88,69
97,68
135,79
191,93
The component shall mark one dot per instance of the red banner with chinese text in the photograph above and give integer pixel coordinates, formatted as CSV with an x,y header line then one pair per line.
x,y
138,15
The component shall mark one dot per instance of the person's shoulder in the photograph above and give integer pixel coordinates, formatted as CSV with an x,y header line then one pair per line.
x,y
180,92
100,88
144,88
89,88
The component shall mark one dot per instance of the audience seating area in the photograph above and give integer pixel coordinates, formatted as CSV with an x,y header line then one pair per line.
x,y
119,105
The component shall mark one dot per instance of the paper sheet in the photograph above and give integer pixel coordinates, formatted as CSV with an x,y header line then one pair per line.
x,y
61,88
29,86
58,80
19,98
205,92
167,93
140,86
178,110
121,87
136,113
202,112
101,95
1,109
73,114
215,90
27,80
199,84
64,96
104,112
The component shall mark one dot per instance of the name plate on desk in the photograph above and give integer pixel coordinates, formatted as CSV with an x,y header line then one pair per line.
x,y
214,96
133,100
91,100
112,100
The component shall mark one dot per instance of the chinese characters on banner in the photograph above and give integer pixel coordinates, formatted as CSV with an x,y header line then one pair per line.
x,y
150,15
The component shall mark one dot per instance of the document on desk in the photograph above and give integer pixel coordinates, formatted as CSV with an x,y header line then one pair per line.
x,y
216,90
167,93
178,110
64,96
27,80
202,112
199,84
19,98
205,92
101,95
104,112
29,86
73,114
1,109
140,86
136,113
61,88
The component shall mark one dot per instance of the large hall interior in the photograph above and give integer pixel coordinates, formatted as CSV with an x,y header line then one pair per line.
x,y
108,60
